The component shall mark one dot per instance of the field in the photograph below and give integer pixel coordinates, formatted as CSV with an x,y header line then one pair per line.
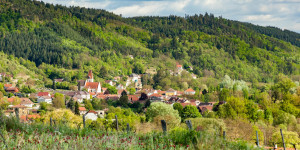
x,y
40,136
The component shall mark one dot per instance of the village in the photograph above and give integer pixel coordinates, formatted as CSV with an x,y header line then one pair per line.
x,y
29,104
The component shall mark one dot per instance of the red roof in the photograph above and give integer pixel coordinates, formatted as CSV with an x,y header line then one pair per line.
x,y
185,104
10,100
19,106
92,111
92,85
179,66
25,101
206,108
155,95
92,93
134,98
161,92
82,109
13,89
101,96
7,85
189,90
120,91
33,116
43,94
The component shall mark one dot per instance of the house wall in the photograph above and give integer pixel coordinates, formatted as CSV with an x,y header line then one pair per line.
x,y
91,116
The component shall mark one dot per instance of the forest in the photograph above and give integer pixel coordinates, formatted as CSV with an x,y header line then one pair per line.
x,y
75,38
254,70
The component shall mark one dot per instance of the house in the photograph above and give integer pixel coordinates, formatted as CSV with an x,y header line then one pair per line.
x,y
58,80
29,118
82,110
179,67
206,106
93,115
12,90
120,92
46,99
77,98
26,102
111,83
194,76
171,92
3,76
94,87
134,77
189,92
179,93
138,84
101,113
40,94
156,96
7,86
22,109
133,98
104,90
120,87
113,97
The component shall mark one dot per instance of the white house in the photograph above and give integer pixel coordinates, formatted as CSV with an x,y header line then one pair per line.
x,y
91,115
26,102
82,110
46,99
189,92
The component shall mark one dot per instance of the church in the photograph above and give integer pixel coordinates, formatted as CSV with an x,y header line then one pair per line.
x,y
89,84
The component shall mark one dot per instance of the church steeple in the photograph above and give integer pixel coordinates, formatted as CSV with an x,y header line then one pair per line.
x,y
90,76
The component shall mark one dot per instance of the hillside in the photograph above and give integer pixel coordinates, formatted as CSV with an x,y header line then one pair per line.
x,y
78,39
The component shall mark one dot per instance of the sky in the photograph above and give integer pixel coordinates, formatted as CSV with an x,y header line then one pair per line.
x,y
284,14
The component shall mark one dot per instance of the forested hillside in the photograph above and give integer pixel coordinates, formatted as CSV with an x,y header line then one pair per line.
x,y
77,39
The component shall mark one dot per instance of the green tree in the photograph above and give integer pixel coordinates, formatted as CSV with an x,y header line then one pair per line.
x,y
162,111
71,104
77,108
224,93
131,91
178,107
112,90
123,101
190,111
59,101
88,105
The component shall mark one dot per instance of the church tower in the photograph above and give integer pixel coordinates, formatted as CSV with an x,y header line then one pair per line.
x,y
90,77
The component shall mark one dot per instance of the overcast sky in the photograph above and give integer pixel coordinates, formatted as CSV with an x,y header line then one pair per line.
x,y
284,14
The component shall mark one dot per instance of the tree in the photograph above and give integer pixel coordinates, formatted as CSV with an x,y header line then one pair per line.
x,y
112,90
131,91
103,72
2,90
54,85
190,111
71,104
178,107
138,68
224,93
59,101
123,101
77,109
144,96
88,105
162,111
147,104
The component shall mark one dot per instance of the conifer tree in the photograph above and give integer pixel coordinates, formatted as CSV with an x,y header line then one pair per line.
x,y
77,109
